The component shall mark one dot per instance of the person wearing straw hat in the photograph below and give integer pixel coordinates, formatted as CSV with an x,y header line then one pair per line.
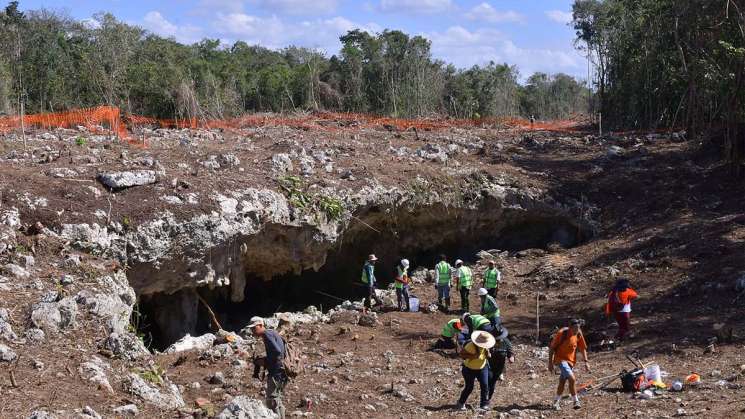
x,y
475,355
499,355
368,282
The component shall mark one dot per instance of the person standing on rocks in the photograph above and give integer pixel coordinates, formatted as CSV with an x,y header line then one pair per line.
x,y
275,353
444,273
619,304
492,278
368,281
464,279
402,285
475,356
489,307
562,353
499,355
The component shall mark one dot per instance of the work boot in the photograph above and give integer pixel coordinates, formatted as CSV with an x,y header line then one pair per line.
x,y
577,404
460,406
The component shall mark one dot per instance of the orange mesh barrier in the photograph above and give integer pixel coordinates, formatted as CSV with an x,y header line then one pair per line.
x,y
109,118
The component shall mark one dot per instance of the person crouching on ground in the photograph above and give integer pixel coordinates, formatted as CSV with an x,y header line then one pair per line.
x,y
475,356
619,304
562,353
402,285
275,353
448,335
499,355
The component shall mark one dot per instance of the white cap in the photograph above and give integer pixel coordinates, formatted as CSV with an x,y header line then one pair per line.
x,y
405,263
372,258
483,292
458,262
255,321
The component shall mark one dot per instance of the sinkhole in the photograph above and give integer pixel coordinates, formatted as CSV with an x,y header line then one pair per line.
x,y
420,236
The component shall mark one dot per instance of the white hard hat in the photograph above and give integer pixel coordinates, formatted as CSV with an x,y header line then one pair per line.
x,y
458,262
405,263
483,292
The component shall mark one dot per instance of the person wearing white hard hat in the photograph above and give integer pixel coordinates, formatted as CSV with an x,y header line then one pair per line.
x,y
368,283
475,355
464,281
489,307
402,285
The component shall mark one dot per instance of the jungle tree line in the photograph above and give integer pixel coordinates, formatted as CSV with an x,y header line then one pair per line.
x,y
669,64
51,62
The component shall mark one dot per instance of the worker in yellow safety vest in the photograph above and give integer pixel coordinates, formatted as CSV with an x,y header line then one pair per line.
x,y
464,279
443,276
492,279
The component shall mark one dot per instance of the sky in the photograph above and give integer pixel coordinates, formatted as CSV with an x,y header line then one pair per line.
x,y
532,34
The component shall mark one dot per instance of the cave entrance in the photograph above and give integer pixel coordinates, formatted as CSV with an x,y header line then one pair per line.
x,y
421,238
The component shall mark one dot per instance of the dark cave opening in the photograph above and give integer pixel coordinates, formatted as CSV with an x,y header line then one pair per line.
x,y
165,318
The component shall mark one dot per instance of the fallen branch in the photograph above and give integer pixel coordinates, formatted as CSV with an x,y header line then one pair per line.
x,y
330,296
211,313
13,382
366,224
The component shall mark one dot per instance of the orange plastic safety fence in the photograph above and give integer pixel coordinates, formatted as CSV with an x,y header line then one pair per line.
x,y
110,118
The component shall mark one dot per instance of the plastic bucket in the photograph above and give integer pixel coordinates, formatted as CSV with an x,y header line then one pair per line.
x,y
652,372
413,304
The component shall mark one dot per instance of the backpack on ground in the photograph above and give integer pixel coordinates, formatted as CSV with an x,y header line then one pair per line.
x,y
292,362
632,381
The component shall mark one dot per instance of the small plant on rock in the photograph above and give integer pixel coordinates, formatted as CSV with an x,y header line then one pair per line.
x,y
153,375
331,206
80,141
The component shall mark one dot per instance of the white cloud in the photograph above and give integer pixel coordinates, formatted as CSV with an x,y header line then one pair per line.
x,y
297,7
416,6
485,12
273,32
559,16
157,24
466,48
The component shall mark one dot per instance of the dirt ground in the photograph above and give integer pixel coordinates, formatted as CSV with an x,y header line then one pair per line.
x,y
668,217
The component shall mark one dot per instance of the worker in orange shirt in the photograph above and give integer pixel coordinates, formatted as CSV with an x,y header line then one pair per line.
x,y
619,304
562,353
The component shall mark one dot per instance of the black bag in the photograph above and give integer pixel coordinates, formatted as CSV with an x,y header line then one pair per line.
x,y
631,380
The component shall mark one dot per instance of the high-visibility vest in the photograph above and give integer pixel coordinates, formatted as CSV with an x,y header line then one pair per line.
x,y
450,330
491,277
490,309
401,273
443,273
365,279
477,321
465,277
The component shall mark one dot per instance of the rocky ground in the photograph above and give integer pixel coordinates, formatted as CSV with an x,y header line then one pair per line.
x,y
90,226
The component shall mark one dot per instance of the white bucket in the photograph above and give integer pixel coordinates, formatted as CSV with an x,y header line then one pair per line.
x,y
652,372
413,304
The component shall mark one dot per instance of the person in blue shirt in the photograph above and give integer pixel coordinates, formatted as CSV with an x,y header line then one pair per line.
x,y
275,354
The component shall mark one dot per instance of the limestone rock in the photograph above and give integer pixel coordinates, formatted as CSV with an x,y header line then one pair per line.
x,y
95,372
167,396
52,317
40,414
16,271
125,345
244,407
369,319
128,179
282,163
7,354
128,410
188,343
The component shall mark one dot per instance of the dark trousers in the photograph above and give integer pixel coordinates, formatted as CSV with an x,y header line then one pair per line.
x,y
464,298
624,324
497,363
403,294
444,343
492,291
469,376
368,294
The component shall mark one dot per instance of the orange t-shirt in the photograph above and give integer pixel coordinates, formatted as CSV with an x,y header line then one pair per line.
x,y
567,350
